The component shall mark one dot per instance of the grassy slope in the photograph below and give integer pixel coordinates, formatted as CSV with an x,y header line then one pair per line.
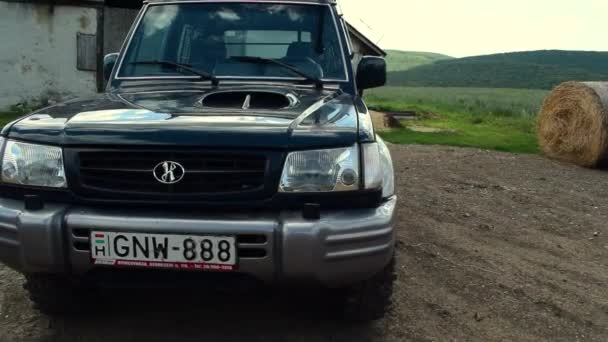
x,y
531,70
498,119
404,60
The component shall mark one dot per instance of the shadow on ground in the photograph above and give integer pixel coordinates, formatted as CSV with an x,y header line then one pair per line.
x,y
188,316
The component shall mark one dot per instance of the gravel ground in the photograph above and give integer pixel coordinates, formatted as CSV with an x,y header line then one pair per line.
x,y
492,247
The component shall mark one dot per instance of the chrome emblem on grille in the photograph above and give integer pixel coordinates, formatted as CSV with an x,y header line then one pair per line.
x,y
169,172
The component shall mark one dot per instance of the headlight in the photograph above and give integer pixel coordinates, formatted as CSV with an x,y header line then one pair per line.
x,y
372,167
388,172
34,165
321,171
378,168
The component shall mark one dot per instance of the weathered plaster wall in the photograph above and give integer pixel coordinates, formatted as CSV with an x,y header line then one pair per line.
x,y
38,52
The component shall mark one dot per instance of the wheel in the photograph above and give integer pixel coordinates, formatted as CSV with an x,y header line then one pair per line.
x,y
55,295
370,300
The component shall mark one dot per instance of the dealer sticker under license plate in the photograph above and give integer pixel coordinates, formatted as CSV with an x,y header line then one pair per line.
x,y
164,251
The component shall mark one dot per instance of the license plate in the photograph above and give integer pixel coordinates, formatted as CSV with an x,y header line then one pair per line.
x,y
164,251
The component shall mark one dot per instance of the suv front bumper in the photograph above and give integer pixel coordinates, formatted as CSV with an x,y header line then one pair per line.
x,y
342,248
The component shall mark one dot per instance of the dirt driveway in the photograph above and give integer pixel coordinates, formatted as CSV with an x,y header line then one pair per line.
x,y
491,247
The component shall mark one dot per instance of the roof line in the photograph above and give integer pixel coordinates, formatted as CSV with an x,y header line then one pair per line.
x,y
366,40
324,2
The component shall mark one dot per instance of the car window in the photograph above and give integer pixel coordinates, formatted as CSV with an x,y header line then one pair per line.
x,y
208,37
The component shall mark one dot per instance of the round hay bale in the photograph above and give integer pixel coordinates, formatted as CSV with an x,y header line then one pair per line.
x,y
573,123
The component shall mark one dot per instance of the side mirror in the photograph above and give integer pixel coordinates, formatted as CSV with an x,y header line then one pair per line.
x,y
371,72
108,65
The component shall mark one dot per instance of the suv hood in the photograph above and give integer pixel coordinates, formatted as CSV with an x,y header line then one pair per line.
x,y
170,118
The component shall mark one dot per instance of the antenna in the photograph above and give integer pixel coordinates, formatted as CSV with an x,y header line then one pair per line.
x,y
372,30
366,24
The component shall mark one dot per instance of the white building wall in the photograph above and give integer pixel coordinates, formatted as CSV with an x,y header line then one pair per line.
x,y
357,48
38,52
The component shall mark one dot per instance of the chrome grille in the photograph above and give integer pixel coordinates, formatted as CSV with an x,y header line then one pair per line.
x,y
205,173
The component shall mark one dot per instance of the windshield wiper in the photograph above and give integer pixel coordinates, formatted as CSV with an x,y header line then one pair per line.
x,y
179,66
261,60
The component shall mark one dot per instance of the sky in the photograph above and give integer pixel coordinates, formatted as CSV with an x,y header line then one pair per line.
x,y
462,28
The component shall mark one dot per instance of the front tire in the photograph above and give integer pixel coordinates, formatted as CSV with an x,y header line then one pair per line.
x,y
370,300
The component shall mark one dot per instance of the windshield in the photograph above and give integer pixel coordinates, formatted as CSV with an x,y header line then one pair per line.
x,y
210,37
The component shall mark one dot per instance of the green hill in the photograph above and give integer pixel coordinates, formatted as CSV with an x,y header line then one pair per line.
x,y
531,70
404,60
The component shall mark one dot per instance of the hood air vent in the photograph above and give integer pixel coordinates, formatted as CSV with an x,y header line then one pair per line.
x,y
248,100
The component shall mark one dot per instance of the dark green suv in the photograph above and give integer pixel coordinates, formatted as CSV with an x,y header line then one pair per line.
x,y
232,140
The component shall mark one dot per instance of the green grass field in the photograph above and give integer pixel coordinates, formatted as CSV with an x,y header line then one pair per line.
x,y
498,119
